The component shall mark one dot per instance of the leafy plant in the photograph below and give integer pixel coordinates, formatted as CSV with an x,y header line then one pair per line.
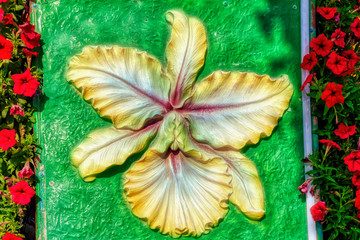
x,y
17,158
335,96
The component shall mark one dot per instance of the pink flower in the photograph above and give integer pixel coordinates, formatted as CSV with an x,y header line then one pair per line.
x,y
318,211
303,188
21,193
336,19
26,172
16,110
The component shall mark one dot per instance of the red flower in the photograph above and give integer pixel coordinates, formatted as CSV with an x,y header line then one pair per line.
x,y
1,14
29,53
327,13
357,200
344,131
3,1
16,110
355,27
303,188
338,37
28,30
29,36
8,19
9,236
332,94
21,193
307,80
31,43
25,83
7,139
309,61
318,211
26,172
329,143
337,64
321,45
356,178
6,48
351,56
353,161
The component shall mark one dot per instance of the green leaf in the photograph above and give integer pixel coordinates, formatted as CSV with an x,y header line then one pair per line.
x,y
19,7
4,112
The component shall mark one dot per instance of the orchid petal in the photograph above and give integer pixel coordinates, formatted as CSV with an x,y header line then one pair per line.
x,y
106,147
123,84
185,54
178,194
248,193
174,134
231,109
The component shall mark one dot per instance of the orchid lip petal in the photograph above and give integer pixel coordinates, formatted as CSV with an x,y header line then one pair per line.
x,y
178,194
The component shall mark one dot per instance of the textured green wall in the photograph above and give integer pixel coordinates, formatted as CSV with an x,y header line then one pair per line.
x,y
262,36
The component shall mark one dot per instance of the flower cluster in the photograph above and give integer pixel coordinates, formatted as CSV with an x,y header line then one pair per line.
x,y
20,82
333,68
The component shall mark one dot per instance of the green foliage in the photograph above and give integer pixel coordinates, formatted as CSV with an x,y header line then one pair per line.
x,y
331,174
14,159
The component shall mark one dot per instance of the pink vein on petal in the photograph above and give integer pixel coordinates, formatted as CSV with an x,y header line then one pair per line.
x,y
136,89
207,108
148,128
180,78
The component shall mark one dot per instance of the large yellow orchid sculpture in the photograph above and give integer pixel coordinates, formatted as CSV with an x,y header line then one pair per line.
x,y
192,167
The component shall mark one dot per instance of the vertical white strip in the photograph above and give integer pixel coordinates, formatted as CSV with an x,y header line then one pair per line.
x,y
305,41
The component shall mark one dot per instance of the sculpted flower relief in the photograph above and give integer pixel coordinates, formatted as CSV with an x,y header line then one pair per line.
x,y
192,166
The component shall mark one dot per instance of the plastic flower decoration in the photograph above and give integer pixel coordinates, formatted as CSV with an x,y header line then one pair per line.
x,y
192,167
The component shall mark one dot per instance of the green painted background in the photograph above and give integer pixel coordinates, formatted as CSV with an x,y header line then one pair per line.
x,y
262,36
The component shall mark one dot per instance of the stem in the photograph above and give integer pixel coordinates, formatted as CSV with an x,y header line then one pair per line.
x,y
351,201
354,11
336,116
355,219
326,152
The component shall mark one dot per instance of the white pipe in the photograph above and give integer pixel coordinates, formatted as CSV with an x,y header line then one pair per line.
x,y
305,41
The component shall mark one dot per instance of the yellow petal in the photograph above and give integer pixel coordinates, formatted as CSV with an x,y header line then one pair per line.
x,y
178,194
185,54
248,194
123,84
106,147
231,109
